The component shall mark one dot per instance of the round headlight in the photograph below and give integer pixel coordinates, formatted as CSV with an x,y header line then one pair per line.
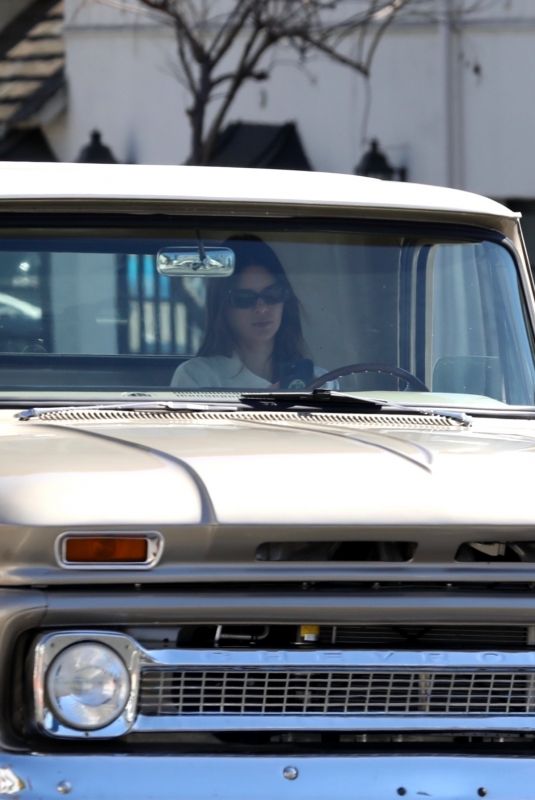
x,y
88,686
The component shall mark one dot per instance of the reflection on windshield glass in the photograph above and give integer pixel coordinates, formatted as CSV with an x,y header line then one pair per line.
x,y
357,310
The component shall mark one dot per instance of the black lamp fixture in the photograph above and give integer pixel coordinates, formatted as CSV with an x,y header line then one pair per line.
x,y
374,164
96,152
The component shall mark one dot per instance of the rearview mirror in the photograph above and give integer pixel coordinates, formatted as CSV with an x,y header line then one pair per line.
x,y
207,262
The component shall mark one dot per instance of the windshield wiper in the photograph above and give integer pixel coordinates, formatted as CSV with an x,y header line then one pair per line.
x,y
332,400
318,398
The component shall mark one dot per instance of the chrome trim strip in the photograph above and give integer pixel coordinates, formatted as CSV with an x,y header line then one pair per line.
x,y
332,660
194,572
154,539
328,722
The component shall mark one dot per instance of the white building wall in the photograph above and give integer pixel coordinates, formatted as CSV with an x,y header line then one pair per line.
x,y
121,80
408,96
500,124
454,108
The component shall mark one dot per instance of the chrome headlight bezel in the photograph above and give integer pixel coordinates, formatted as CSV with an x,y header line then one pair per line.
x,y
48,648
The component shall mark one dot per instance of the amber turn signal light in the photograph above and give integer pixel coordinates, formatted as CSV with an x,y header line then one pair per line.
x,y
106,550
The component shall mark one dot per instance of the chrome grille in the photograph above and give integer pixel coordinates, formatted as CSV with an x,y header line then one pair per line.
x,y
305,689
306,692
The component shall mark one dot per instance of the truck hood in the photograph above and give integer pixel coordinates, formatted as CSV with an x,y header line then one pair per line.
x,y
266,469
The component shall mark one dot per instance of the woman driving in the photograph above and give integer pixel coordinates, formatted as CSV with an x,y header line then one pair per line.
x,y
253,338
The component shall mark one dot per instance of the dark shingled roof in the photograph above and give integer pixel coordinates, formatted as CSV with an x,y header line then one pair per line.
x,y
249,144
31,68
28,144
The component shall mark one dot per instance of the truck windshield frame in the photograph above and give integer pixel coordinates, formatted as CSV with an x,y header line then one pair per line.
x,y
87,311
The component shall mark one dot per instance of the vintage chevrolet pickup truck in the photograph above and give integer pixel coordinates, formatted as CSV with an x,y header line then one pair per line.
x,y
267,506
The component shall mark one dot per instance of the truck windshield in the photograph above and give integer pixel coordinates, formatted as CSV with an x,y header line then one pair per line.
x,y
363,307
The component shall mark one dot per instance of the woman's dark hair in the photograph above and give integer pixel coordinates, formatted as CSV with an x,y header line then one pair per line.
x,y
218,340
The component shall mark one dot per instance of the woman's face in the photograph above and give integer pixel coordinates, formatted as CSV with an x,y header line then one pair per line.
x,y
259,323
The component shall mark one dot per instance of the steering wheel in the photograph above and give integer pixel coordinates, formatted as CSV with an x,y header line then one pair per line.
x,y
349,369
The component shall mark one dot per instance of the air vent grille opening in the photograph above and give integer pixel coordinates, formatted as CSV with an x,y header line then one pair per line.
x,y
445,637
497,552
336,551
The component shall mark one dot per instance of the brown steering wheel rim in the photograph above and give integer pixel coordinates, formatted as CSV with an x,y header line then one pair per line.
x,y
350,369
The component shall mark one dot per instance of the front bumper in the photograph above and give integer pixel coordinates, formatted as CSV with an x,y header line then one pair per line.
x,y
268,777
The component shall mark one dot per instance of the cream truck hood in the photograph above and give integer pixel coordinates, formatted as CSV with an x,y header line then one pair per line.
x,y
230,470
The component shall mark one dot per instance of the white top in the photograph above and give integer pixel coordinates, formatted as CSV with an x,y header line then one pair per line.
x,y
217,372
222,372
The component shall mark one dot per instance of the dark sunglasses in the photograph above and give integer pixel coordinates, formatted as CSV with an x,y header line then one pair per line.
x,y
247,298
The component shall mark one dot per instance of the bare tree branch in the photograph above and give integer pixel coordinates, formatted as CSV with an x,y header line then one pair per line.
x,y
246,69
221,51
232,27
185,63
